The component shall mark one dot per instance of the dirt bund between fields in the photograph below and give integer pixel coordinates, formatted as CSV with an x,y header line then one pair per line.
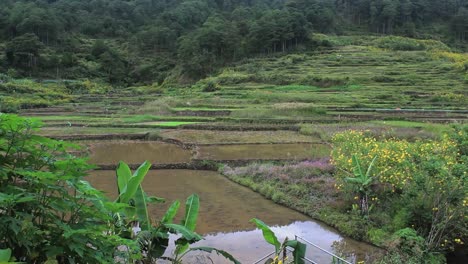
x,y
210,165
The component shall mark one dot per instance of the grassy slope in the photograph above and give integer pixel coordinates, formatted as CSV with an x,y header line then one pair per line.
x,y
354,80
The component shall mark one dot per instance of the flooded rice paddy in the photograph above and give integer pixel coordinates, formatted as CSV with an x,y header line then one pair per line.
x,y
226,209
135,152
290,151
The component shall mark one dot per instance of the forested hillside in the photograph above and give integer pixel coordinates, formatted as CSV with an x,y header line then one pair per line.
x,y
146,41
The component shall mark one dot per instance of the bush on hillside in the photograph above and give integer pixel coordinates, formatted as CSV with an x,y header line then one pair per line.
x,y
408,44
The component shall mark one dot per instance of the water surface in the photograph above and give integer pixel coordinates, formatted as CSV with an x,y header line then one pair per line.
x,y
136,152
226,209
292,151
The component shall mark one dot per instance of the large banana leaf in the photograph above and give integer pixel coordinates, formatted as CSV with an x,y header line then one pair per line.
x,y
361,179
142,209
134,182
369,169
171,213
123,176
187,234
268,235
298,252
153,243
5,255
130,190
192,206
357,167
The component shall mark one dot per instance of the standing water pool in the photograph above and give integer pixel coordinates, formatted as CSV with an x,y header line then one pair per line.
x,y
225,211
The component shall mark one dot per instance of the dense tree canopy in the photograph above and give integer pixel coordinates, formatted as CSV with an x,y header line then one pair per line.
x,y
197,35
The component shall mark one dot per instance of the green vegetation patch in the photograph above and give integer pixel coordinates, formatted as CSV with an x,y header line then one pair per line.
x,y
438,129
170,123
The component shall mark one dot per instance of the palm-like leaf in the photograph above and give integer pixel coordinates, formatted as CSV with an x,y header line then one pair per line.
x,y
192,206
268,235
299,250
171,213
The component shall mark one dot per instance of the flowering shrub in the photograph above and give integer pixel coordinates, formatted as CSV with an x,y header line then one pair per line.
x,y
429,178
398,160
460,60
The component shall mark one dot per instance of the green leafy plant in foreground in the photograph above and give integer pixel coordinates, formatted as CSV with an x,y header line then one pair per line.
x,y
5,255
47,211
421,188
299,248
131,192
154,239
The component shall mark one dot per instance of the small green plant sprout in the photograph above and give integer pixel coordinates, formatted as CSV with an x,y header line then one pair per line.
x,y
299,248
362,182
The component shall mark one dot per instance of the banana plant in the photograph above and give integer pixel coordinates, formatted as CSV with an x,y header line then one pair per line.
x,y
299,249
154,239
362,182
131,193
187,229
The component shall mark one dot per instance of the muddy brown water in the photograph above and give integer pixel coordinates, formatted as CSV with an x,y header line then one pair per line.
x,y
136,152
225,211
293,151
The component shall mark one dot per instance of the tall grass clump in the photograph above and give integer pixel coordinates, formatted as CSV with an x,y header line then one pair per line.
x,y
160,106
408,44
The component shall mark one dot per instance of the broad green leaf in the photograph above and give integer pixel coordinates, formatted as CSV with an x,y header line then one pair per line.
x,y
298,252
142,209
369,169
53,251
130,212
134,182
367,181
357,167
268,235
86,188
192,205
114,207
142,170
218,251
25,199
186,233
123,175
182,246
5,255
353,180
154,199
171,213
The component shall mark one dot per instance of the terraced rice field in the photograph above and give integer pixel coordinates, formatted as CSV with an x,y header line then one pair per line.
x,y
296,98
